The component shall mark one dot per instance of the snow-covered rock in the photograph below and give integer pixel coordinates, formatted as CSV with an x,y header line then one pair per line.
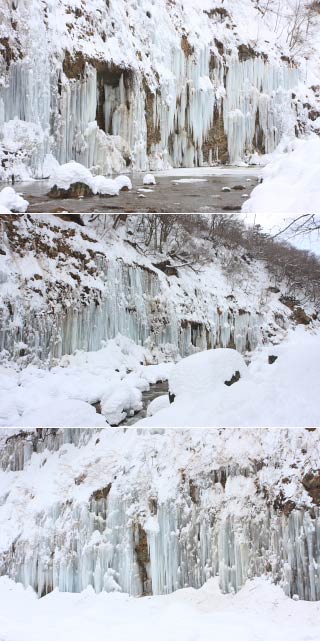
x,y
201,373
161,402
278,394
65,176
149,180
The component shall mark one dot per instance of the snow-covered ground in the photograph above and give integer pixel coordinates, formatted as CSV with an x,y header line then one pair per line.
x,y
281,394
290,180
260,611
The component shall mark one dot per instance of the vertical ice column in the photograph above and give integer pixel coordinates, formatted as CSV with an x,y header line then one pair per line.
x,y
184,108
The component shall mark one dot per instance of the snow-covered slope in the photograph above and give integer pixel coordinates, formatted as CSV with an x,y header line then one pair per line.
x,y
150,84
151,512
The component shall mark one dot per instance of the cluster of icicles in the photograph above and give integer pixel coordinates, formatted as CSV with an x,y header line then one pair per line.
x,y
45,116
133,305
111,544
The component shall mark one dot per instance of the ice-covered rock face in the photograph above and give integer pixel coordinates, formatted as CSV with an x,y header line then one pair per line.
x,y
64,289
154,512
106,94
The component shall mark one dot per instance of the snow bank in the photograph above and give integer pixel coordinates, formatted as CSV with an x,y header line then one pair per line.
x,y
202,372
282,394
69,173
259,611
291,180
10,201
65,396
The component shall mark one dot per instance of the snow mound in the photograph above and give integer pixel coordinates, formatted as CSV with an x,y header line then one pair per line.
x,y
149,180
161,402
290,180
63,413
203,372
65,175
10,201
121,398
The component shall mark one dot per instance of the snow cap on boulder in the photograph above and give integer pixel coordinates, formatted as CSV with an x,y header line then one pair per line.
x,y
206,370
149,180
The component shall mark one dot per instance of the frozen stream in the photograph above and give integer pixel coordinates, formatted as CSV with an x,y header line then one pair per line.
x,y
177,190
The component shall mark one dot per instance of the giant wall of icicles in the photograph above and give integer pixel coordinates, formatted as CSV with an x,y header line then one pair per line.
x,y
208,109
132,304
127,538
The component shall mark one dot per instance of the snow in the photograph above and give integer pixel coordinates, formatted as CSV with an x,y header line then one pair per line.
x,y
161,402
64,395
202,372
69,173
281,394
259,611
10,201
290,180
149,180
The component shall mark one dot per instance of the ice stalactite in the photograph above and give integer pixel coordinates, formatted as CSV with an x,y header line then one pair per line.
x,y
25,108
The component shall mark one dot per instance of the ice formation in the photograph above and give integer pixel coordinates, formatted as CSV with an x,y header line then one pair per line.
x,y
136,99
66,287
151,513
131,304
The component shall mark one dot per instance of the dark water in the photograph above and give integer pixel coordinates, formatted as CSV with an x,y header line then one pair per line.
x,y
202,194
